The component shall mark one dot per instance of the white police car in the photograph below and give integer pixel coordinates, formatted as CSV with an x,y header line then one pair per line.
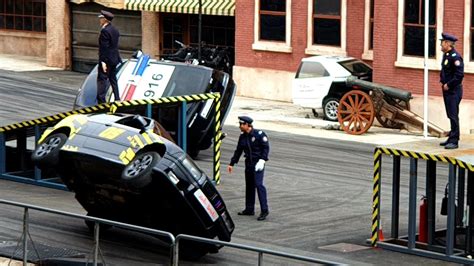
x,y
320,82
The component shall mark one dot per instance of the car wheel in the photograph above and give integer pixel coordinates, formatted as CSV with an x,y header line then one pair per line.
x,y
47,153
138,172
330,109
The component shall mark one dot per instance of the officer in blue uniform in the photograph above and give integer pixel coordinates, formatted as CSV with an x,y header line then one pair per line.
x,y
451,76
254,144
109,57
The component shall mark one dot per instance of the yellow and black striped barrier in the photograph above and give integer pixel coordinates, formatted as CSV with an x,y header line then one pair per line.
x,y
378,152
114,106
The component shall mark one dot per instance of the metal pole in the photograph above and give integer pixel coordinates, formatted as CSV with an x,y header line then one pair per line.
x,y
199,30
260,258
96,241
25,237
451,210
395,197
412,203
37,137
425,76
175,258
431,199
3,148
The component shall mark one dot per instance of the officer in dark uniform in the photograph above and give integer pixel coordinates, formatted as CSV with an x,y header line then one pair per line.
x,y
254,144
451,76
109,57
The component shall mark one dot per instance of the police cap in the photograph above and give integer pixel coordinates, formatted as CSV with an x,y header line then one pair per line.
x,y
106,14
245,119
448,37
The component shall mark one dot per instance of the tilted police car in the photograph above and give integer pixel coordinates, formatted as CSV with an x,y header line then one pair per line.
x,y
122,167
320,82
142,77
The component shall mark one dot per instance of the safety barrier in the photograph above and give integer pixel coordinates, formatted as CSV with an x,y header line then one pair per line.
x,y
14,161
427,242
174,242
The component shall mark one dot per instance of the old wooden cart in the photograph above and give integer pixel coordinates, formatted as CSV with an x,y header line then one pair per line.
x,y
368,101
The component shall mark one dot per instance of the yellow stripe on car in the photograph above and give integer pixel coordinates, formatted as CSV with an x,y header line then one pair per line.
x,y
127,155
111,133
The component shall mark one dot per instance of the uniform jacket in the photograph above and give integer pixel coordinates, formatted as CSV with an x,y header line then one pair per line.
x,y
452,70
254,145
108,45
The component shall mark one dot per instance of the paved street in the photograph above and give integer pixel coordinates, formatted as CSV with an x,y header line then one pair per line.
x,y
319,183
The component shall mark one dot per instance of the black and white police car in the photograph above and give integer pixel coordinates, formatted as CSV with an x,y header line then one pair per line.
x,y
320,82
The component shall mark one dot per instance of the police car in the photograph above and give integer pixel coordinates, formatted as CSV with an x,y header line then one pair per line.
x,y
320,82
142,77
124,167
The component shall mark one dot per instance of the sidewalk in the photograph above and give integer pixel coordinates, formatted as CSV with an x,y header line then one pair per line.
x,y
268,115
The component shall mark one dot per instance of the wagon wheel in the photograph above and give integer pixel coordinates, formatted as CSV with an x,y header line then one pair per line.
x,y
355,112
389,123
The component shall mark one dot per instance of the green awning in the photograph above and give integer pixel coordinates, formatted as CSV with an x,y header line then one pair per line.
x,y
209,7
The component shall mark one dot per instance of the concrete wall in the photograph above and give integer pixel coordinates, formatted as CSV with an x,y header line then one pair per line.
x,y
23,43
151,34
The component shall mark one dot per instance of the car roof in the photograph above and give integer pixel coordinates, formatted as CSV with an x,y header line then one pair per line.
x,y
327,58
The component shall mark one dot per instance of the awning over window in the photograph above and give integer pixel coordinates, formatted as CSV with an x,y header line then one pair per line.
x,y
209,7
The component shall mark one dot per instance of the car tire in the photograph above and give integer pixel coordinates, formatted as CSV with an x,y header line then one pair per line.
x,y
330,106
137,173
46,154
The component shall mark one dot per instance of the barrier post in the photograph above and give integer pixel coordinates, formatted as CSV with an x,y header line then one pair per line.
x,y
37,137
2,153
217,141
412,202
182,138
25,237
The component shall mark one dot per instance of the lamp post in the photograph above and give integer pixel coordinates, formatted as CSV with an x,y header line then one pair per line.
x,y
199,30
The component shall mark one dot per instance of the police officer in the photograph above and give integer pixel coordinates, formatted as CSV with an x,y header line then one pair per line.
x,y
451,76
254,144
109,57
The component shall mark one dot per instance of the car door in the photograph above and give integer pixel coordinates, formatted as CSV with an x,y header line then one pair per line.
x,y
311,84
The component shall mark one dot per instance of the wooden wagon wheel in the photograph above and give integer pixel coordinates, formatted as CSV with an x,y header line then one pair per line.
x,y
355,112
389,123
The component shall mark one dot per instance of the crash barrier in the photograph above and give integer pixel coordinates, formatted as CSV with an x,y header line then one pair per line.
x,y
174,242
15,163
452,243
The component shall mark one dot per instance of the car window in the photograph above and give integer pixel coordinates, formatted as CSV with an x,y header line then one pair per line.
x,y
356,67
311,70
188,80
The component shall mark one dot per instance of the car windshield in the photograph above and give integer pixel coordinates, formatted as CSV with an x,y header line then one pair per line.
x,y
356,67
187,80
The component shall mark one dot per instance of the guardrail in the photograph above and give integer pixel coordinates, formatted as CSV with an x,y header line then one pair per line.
x,y
174,241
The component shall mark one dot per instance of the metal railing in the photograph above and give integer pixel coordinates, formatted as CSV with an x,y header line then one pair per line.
x,y
174,242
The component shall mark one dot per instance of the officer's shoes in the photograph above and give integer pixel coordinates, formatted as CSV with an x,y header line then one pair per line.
x,y
246,212
263,216
451,146
444,143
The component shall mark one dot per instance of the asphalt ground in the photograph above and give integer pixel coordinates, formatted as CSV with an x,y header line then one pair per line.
x,y
319,181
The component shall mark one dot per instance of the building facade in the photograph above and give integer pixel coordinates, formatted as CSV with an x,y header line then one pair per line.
x,y
269,38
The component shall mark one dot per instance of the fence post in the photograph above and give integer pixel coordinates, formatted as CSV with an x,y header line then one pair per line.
x,y
175,259
96,241
217,141
25,237
2,153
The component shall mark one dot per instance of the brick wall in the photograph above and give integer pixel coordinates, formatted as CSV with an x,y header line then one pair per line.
x,y
385,49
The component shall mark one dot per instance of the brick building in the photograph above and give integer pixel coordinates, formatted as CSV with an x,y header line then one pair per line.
x,y
269,36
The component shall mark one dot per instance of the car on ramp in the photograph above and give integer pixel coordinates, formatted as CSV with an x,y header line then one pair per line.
x,y
126,168
142,77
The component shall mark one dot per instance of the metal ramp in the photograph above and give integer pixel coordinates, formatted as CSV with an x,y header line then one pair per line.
x,y
17,140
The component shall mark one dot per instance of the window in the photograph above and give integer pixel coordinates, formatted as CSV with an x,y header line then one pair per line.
x,y
327,22
327,27
272,27
311,70
173,30
369,31
23,15
215,30
468,37
414,21
410,34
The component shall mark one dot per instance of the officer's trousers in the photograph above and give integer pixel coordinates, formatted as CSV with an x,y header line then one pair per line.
x,y
254,180
452,99
103,81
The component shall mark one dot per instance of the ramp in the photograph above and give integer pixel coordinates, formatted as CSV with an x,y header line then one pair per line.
x,y
17,140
